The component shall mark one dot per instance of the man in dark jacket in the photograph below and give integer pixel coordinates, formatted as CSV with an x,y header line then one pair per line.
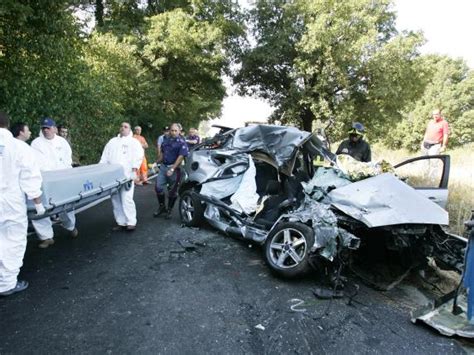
x,y
172,152
356,146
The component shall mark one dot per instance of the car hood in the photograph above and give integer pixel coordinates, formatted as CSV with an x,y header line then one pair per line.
x,y
384,200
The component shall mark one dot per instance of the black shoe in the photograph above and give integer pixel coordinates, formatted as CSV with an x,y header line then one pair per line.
x,y
160,211
171,202
20,286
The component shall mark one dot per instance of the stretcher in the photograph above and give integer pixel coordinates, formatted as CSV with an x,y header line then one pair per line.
x,y
68,190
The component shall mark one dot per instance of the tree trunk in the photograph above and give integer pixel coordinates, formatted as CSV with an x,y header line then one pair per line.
x,y
307,118
99,13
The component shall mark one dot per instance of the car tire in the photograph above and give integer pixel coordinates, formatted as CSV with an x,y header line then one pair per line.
x,y
287,249
191,209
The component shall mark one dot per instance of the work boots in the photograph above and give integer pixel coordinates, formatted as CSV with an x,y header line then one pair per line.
x,y
162,207
171,202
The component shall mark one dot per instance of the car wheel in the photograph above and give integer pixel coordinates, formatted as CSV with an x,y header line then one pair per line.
x,y
191,209
287,248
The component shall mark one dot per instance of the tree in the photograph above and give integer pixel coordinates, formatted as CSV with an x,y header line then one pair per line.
x,y
330,59
49,70
450,87
111,91
148,63
39,61
183,48
184,59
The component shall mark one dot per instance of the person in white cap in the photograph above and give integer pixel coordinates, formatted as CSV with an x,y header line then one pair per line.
x,y
19,176
55,154
128,152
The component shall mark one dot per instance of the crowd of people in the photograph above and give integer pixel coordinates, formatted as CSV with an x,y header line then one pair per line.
x,y
21,166
21,176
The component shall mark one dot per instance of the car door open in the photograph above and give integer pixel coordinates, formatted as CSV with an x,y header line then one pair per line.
x,y
427,174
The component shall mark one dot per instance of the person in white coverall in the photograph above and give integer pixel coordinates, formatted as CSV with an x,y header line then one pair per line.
x,y
19,176
128,152
54,153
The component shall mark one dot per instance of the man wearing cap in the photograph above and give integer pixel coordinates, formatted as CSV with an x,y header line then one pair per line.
x,y
128,152
435,139
356,146
173,151
19,177
54,153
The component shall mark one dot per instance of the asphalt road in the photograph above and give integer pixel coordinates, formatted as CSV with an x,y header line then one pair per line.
x,y
143,292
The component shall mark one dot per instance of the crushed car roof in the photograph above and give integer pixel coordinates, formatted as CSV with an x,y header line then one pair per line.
x,y
279,142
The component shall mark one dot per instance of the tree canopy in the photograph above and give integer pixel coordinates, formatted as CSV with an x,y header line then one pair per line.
x,y
450,87
157,61
331,59
149,63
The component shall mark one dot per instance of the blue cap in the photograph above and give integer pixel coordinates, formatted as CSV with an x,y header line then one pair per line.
x,y
357,128
47,122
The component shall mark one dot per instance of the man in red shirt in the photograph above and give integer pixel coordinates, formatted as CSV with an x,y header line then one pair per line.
x,y
436,135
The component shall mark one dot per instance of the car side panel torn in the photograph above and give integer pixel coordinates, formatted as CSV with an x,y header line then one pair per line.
x,y
242,188
245,198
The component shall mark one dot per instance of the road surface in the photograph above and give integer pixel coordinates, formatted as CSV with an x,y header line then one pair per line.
x,y
144,292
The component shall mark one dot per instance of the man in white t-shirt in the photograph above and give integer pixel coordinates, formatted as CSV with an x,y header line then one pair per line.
x,y
54,153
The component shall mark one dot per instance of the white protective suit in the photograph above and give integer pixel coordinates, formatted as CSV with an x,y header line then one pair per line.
x,y
19,175
128,152
54,154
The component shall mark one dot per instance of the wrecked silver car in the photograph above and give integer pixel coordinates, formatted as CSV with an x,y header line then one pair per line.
x,y
267,184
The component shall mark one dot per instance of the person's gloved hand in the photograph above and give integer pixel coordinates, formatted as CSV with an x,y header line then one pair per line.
x,y
39,209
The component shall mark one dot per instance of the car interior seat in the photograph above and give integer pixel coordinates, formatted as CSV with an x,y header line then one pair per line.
x,y
265,173
270,212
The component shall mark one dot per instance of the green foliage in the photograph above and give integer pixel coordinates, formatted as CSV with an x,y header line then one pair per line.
x,y
148,65
44,74
179,50
450,87
39,61
154,62
109,83
184,58
331,59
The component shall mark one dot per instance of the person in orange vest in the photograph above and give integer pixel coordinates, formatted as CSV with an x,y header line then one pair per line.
x,y
143,171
